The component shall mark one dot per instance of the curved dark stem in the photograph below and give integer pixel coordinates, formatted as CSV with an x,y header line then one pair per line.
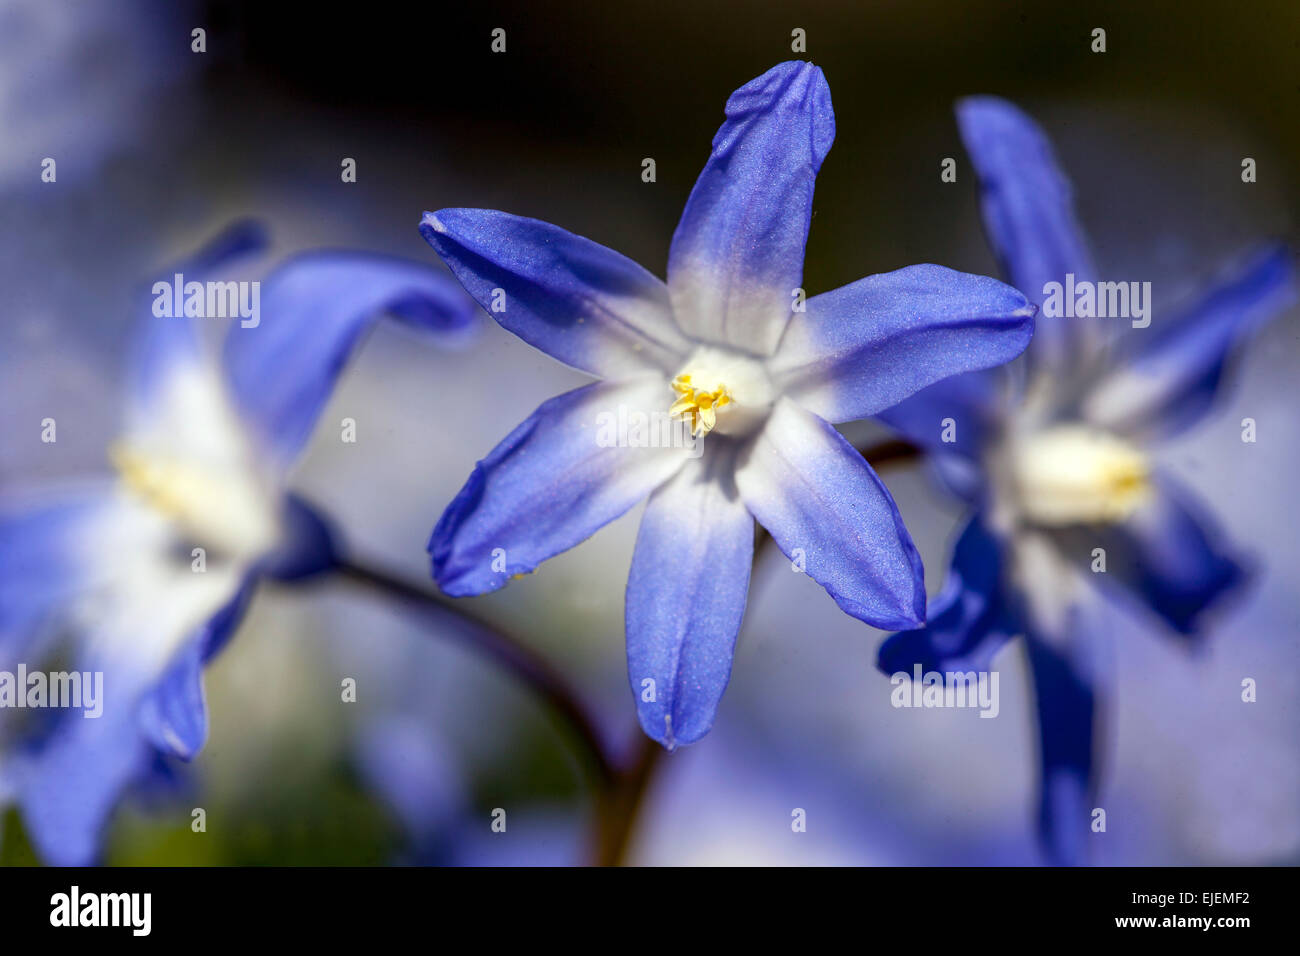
x,y
893,452
506,649
616,817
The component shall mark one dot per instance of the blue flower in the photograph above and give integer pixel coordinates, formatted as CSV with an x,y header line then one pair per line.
x,y
725,348
151,572
1058,462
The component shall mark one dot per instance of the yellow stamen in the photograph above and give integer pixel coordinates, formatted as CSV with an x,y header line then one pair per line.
x,y
701,406
162,484
1073,474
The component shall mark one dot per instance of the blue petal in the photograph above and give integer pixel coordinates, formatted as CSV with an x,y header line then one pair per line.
x,y
164,785
1066,707
174,713
244,237
43,563
307,546
830,513
867,346
686,597
737,255
69,788
174,717
956,416
72,775
554,480
967,623
575,300
1170,379
314,310
1171,556
1028,211
167,340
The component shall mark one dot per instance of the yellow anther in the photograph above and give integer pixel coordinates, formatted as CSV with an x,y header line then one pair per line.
x,y
219,504
172,486
700,405
152,479
1073,474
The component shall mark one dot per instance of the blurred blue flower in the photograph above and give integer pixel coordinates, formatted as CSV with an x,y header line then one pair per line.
x,y
726,347
1057,463
151,572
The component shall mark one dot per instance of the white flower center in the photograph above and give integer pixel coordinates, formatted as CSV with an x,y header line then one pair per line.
x,y
188,460
224,511
1076,474
722,390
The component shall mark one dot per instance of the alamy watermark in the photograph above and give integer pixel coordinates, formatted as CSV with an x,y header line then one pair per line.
x,y
975,689
63,689
634,428
209,300
133,911
1085,299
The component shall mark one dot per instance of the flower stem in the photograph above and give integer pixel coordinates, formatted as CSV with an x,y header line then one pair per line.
x,y
892,452
503,647
617,815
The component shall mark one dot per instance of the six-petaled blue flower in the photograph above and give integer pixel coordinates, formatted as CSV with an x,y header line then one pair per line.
x,y
1056,463
202,465
720,346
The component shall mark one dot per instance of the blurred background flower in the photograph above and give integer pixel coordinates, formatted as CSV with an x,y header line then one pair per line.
x,y
1055,454
164,145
